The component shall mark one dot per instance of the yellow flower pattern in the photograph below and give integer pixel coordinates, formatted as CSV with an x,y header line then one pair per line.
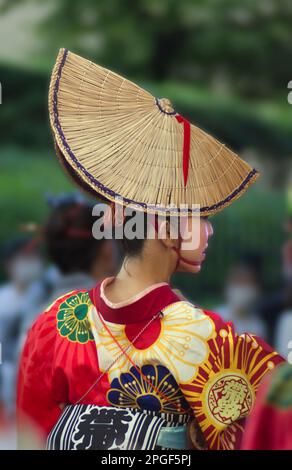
x,y
181,346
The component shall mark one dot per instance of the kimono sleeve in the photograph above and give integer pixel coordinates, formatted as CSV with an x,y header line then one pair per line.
x,y
37,406
224,389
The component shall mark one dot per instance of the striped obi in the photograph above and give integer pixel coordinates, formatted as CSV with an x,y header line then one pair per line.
x,y
92,427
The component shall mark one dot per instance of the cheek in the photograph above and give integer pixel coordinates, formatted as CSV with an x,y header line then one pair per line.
x,y
198,240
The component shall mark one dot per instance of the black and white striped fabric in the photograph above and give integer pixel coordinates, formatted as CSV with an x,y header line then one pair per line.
x,y
95,427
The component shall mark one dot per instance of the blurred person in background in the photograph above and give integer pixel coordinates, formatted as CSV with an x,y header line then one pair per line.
x,y
80,258
23,264
269,426
242,292
283,340
77,259
276,308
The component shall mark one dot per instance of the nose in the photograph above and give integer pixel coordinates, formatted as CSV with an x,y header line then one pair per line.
x,y
210,229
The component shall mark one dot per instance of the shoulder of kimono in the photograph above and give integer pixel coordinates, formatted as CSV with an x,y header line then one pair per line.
x,y
78,295
49,314
218,320
184,306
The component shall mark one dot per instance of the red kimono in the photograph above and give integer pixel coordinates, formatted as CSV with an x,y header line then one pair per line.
x,y
194,361
270,424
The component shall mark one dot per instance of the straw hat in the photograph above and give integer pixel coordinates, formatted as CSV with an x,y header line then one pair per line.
x,y
118,141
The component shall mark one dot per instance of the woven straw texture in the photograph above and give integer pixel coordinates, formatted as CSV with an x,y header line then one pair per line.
x,y
121,143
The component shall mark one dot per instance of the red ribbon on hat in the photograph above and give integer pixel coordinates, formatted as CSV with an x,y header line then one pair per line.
x,y
186,146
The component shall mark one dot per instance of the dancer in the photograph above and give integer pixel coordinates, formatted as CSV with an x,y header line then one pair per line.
x,y
129,364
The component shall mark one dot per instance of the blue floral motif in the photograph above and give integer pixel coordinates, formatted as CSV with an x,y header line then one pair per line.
x,y
131,390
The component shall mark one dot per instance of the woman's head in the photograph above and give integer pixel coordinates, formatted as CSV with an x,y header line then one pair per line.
x,y
182,243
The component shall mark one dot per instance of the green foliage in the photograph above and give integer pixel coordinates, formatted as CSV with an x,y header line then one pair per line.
x,y
236,40
225,64
25,178
23,112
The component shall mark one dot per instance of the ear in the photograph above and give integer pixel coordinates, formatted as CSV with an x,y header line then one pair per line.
x,y
164,235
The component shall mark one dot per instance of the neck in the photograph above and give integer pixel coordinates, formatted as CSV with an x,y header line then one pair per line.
x,y
145,270
137,273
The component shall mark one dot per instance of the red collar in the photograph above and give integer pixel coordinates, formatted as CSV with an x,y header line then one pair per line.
x,y
140,308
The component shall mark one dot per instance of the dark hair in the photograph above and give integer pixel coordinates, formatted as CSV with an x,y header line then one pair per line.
x,y
132,247
68,234
135,246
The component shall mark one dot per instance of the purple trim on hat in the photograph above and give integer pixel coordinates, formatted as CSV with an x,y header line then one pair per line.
x,y
108,191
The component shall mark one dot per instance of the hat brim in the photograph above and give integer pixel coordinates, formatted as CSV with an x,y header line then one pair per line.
x,y
121,147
